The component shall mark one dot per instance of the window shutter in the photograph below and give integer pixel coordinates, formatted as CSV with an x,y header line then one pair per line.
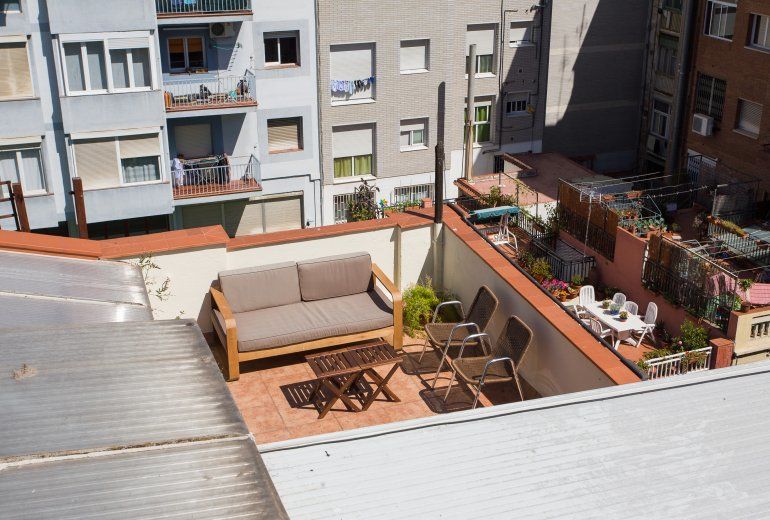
x,y
139,146
128,43
283,214
413,55
243,218
201,216
96,163
412,124
15,79
750,116
283,134
483,37
353,141
520,32
194,141
351,62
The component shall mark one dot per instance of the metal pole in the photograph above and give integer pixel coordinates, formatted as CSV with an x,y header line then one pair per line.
x,y
80,207
689,15
470,111
438,188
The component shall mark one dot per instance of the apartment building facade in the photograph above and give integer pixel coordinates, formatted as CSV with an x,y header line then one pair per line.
x,y
393,84
156,106
728,126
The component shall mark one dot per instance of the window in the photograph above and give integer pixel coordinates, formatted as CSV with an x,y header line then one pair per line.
x,y
516,104
760,32
661,111
15,78
108,65
352,148
281,49
413,134
482,126
520,34
352,72
412,194
710,96
186,54
749,117
284,135
672,4
342,207
667,55
10,6
23,164
483,36
414,56
720,19
113,161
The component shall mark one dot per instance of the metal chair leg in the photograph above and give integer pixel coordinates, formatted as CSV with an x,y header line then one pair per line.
x,y
424,348
518,384
478,393
440,366
449,388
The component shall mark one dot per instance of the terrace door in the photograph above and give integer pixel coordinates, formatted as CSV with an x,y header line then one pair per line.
x,y
194,141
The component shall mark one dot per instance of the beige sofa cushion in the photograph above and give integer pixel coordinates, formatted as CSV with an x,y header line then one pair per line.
x,y
308,321
334,276
261,287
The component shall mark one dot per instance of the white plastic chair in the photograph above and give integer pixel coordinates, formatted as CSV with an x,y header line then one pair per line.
x,y
632,308
503,235
600,331
619,299
650,316
587,296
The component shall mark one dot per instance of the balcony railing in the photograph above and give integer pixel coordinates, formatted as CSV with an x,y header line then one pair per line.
x,y
199,93
193,7
681,363
217,176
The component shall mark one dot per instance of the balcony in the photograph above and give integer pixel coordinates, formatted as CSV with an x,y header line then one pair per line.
x,y
204,92
175,8
217,176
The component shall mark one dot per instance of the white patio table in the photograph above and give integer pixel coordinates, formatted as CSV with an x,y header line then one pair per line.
x,y
621,329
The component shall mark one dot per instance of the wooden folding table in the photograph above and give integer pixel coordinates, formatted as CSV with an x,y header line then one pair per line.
x,y
342,369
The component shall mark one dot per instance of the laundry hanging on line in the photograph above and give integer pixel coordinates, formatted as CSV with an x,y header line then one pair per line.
x,y
350,87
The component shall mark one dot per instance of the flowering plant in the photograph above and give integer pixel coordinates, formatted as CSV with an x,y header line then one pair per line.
x,y
555,286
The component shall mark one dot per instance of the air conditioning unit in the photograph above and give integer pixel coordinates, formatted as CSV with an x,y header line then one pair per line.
x,y
702,124
221,30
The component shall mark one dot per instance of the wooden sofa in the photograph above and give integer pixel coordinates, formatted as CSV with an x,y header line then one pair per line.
x,y
278,309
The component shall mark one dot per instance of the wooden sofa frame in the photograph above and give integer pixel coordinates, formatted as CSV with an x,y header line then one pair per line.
x,y
234,358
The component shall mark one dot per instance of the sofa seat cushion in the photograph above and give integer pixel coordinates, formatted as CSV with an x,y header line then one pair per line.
x,y
308,321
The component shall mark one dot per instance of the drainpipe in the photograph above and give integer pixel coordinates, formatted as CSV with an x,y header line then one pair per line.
x,y
682,87
471,114
438,218
320,213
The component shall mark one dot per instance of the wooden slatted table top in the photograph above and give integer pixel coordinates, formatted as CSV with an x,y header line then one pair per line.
x,y
352,359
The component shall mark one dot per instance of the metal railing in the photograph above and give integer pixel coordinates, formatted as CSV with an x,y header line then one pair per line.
x,y
594,236
230,175
207,91
565,260
411,194
171,7
681,363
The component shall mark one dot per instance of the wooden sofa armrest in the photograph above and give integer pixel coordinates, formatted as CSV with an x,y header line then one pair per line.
x,y
219,302
398,312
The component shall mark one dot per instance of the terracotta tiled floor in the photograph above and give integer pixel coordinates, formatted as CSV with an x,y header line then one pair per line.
x,y
272,396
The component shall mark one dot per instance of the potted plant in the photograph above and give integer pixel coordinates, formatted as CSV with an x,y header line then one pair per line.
x,y
623,315
614,309
606,304
745,284
541,269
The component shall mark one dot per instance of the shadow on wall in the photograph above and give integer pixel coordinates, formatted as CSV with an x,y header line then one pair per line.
x,y
595,83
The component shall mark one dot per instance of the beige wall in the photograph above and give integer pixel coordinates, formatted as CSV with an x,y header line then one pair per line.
x,y
553,364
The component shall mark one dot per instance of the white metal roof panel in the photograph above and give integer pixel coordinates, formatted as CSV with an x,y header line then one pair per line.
x,y
692,446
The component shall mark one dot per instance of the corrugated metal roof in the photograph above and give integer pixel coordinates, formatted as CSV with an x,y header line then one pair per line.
x,y
49,290
692,446
222,479
110,385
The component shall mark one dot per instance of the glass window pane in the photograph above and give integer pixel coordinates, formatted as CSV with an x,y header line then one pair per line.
x,y
482,113
417,137
141,67
33,170
363,165
343,167
96,66
484,64
140,169
481,133
176,53
271,50
119,66
195,53
289,50
74,63
8,170
10,6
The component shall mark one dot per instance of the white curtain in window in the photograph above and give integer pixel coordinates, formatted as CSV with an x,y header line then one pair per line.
x,y
96,65
119,65
484,38
33,170
352,141
140,169
74,63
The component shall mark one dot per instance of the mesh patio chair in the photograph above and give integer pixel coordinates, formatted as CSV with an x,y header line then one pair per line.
x,y
619,298
500,364
442,336
632,308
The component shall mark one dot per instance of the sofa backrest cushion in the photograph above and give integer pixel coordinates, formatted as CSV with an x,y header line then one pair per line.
x,y
334,276
260,287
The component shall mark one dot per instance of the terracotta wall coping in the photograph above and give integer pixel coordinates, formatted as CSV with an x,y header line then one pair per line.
x,y
585,342
213,236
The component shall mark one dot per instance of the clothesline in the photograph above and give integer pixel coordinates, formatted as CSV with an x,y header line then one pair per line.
x,y
352,86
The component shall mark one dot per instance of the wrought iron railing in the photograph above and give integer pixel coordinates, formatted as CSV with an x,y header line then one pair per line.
x,y
680,363
565,260
595,237
229,175
207,91
173,7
